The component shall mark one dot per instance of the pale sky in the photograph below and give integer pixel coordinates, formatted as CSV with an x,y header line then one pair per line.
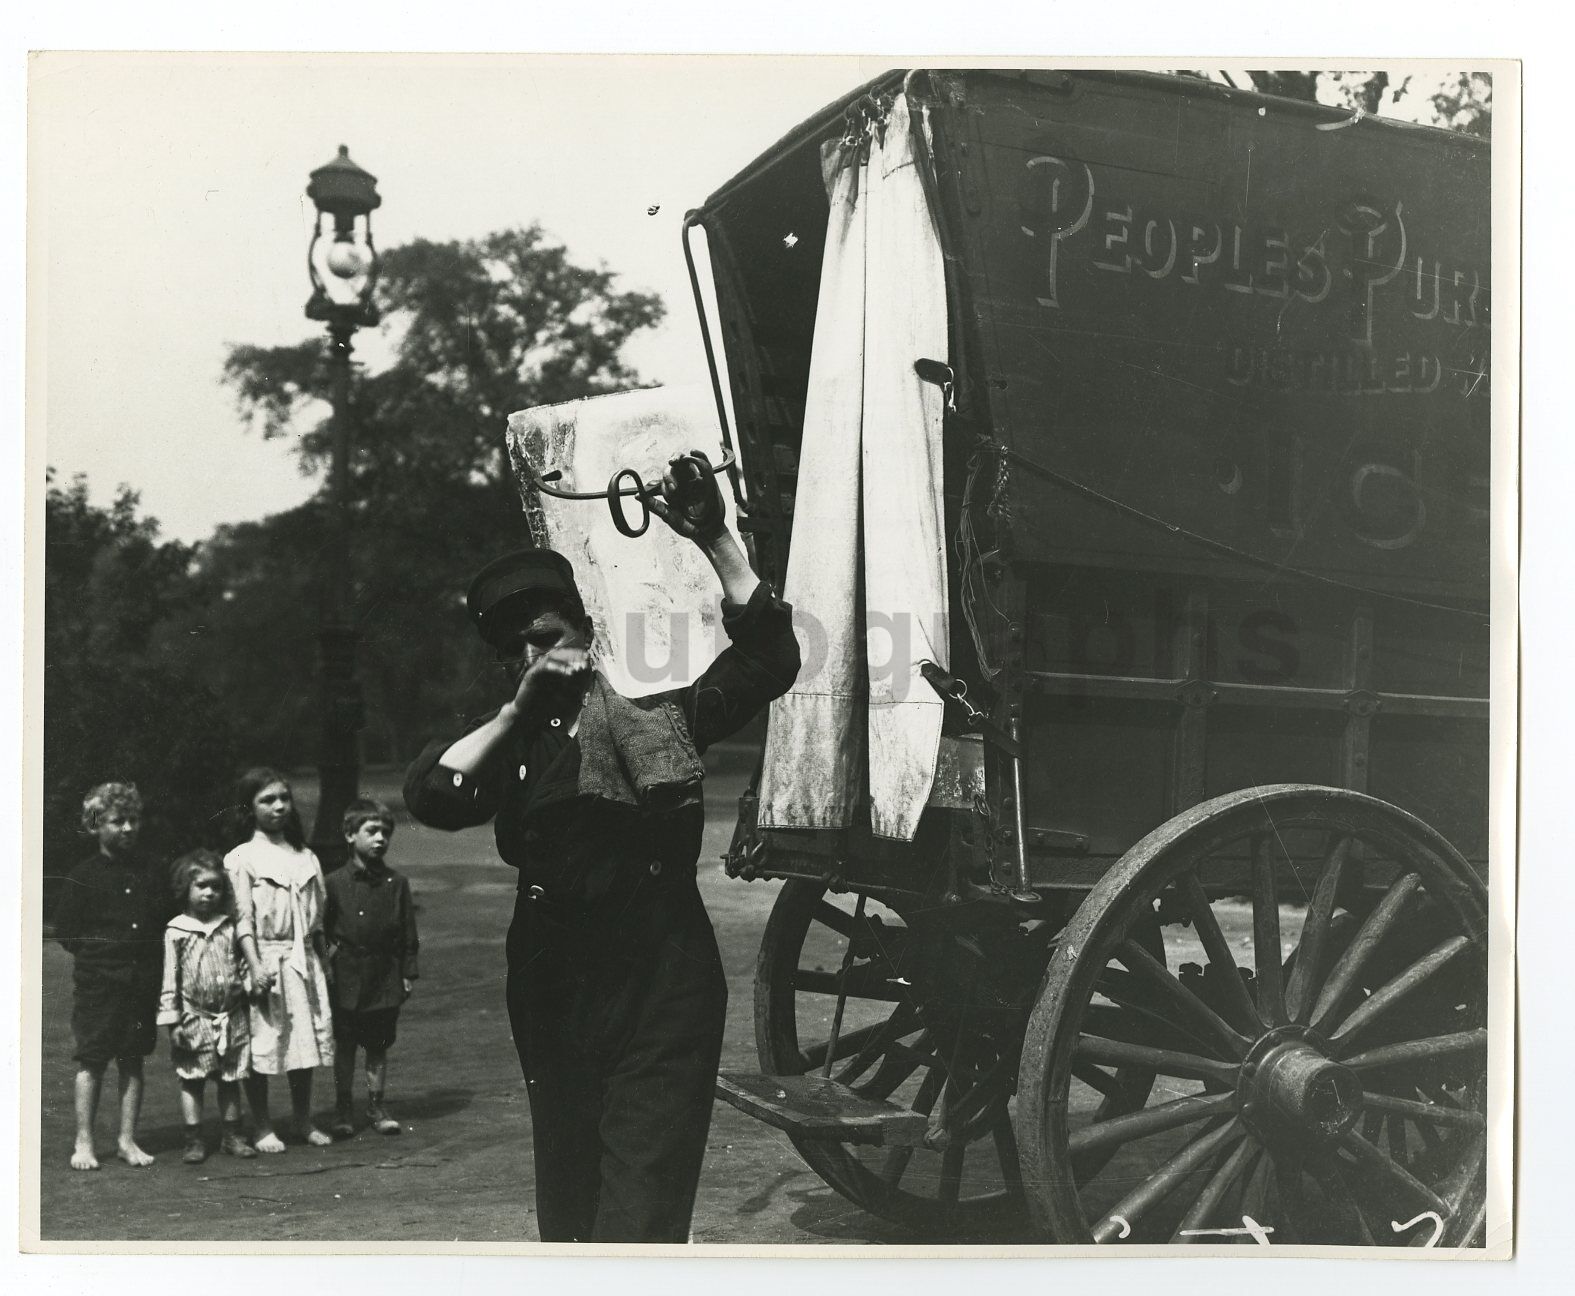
x,y
169,219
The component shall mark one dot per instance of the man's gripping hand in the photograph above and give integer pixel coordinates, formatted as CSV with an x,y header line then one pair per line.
x,y
691,499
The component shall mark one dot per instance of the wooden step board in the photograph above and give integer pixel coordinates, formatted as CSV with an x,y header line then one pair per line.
x,y
811,1106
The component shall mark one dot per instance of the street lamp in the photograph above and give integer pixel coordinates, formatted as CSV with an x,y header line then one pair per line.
x,y
343,270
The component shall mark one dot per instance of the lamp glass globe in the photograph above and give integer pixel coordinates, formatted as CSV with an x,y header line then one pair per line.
x,y
346,260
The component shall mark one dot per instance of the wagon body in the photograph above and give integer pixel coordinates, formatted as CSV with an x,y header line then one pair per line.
x,y
1235,350
1216,477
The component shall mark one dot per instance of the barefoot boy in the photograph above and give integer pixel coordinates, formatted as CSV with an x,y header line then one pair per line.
x,y
111,918
370,923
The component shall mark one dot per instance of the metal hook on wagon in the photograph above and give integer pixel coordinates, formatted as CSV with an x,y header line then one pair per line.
x,y
627,482
953,690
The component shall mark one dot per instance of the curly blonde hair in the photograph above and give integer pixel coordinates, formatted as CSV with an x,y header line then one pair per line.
x,y
108,797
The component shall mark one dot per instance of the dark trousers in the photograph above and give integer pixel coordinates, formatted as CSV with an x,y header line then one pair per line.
x,y
617,1011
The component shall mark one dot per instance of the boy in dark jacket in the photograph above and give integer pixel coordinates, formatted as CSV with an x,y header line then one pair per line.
x,y
111,919
370,922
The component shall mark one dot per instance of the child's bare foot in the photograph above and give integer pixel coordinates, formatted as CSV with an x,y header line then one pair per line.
x,y
83,1157
132,1155
311,1134
269,1142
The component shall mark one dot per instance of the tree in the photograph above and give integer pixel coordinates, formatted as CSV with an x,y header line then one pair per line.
x,y
123,625
1461,101
477,329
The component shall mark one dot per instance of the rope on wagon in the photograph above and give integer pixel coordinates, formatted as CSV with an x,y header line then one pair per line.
x,y
1218,546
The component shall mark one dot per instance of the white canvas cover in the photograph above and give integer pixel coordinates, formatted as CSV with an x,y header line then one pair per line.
x,y
867,568
654,600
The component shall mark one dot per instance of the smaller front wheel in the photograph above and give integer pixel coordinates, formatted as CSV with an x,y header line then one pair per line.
x,y
892,988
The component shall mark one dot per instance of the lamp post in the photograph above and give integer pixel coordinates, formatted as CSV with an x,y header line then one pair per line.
x,y
343,271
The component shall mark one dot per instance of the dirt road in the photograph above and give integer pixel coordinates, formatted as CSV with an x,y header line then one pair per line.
x,y
461,1170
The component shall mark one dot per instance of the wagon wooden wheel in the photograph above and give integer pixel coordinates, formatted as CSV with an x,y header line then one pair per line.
x,y
855,967
1318,1027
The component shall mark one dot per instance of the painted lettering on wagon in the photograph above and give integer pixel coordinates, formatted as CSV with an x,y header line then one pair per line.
x,y
1353,373
1361,247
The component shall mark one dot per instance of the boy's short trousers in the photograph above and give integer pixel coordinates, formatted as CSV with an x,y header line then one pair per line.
x,y
113,1012
368,1030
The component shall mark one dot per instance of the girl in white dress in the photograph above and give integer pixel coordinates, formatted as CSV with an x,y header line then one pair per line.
x,y
279,899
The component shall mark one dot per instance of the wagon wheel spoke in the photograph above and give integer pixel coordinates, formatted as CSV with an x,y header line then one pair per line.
x,y
1468,1217
839,920
1188,1066
1428,1049
1295,1212
1159,1185
1107,1134
897,1063
1371,934
1397,988
1347,1211
1425,1114
1204,1020
1266,953
1432,1140
1455,1186
1238,999
1378,1168
895,1164
1132,1023
1299,994
950,1186
1399,1141
1255,1190
904,1020
895,1066
842,979
864,981
1006,1153
1101,1081
848,1044
994,1083
1231,1171
929,1090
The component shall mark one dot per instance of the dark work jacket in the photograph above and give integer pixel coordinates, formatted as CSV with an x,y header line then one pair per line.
x,y
370,923
577,847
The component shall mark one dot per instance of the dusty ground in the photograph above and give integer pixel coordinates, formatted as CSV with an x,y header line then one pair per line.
x,y
461,1169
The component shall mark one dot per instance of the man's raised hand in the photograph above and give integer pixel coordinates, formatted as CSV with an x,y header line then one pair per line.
x,y
691,499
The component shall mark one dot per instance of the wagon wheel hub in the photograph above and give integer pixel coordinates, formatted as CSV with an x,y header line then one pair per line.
x,y
1293,1096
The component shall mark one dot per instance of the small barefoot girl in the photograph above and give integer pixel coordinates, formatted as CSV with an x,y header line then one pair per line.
x,y
204,1001
279,896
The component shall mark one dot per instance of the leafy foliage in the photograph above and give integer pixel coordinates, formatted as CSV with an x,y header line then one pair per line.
x,y
477,329
122,690
1460,101
1467,104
